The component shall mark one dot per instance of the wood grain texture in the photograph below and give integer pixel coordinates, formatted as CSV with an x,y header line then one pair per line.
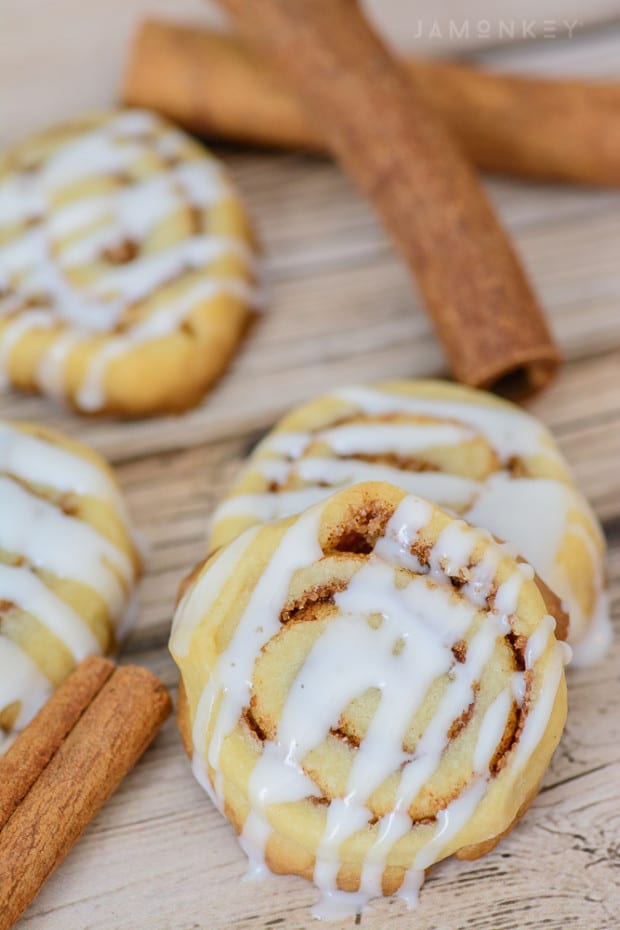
x,y
341,310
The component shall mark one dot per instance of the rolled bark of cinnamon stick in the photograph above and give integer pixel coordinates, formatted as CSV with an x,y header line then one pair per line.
x,y
214,84
107,740
34,747
392,144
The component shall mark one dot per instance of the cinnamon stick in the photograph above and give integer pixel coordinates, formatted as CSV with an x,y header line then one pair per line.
x,y
102,746
30,753
378,124
216,85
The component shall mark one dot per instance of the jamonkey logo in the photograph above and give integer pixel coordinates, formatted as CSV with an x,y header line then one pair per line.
x,y
495,29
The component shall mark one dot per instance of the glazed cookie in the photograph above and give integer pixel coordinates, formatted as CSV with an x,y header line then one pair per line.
x,y
126,265
470,452
67,565
369,687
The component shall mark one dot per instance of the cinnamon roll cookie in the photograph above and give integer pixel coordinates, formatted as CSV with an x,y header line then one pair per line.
x,y
125,265
369,687
67,565
476,455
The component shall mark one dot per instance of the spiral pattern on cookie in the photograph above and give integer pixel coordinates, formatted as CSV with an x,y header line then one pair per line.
x,y
468,451
126,265
67,565
370,687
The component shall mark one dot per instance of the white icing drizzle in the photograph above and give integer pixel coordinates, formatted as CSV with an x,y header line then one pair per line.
x,y
510,507
508,430
537,643
339,905
491,730
289,445
93,154
449,821
27,591
159,324
255,827
50,373
198,768
533,515
13,332
375,438
456,490
67,241
400,535
21,680
48,541
230,679
266,507
538,717
137,209
198,600
40,532
128,284
400,655
38,461
519,685
19,199
325,474
595,643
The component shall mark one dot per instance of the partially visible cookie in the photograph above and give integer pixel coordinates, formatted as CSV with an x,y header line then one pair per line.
x,y
68,565
126,265
468,451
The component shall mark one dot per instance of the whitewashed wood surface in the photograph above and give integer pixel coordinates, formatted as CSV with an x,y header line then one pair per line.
x,y
45,44
341,309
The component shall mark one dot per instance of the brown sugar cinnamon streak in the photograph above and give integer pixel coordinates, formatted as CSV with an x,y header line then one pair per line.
x,y
540,128
378,124
63,767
